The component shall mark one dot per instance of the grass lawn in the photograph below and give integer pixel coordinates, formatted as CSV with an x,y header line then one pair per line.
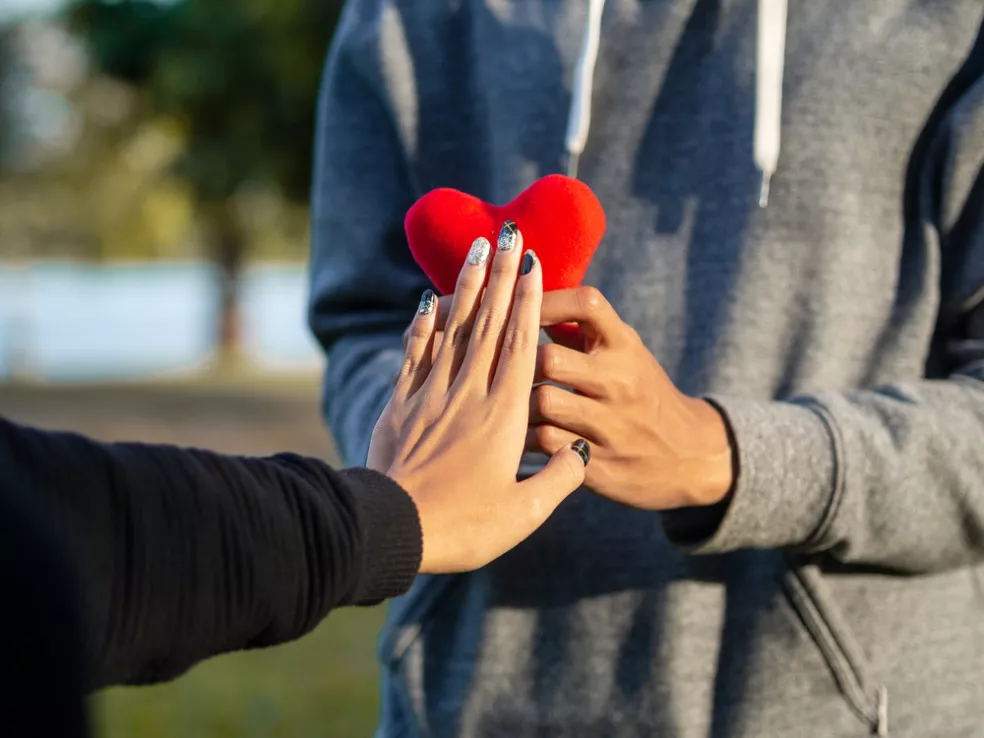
x,y
322,685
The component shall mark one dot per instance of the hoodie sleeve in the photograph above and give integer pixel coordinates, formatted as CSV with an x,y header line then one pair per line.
x,y
891,476
364,282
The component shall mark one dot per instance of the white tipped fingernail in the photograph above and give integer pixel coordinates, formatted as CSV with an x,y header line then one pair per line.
x,y
478,254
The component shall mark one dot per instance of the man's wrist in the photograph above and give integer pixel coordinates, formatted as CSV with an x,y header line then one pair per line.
x,y
713,474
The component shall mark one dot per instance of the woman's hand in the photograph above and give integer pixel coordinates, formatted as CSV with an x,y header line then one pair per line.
x,y
453,434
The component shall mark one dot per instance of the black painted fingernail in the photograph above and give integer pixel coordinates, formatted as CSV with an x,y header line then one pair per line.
x,y
428,301
529,259
583,449
508,235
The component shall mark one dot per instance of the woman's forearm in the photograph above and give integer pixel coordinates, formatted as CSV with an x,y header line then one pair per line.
x,y
184,554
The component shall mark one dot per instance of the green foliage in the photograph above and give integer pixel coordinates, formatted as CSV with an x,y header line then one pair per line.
x,y
240,75
125,39
240,78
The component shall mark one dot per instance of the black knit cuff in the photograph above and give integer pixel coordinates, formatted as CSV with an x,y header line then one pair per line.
x,y
391,532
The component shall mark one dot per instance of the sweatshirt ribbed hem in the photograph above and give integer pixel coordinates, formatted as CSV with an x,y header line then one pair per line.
x,y
786,486
392,534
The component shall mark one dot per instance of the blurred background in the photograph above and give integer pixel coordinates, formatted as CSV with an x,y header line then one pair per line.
x,y
154,172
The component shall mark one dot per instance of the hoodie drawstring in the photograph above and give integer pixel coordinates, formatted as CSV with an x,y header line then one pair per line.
x,y
770,57
579,117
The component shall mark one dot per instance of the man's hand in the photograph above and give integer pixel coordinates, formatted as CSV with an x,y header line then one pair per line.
x,y
652,446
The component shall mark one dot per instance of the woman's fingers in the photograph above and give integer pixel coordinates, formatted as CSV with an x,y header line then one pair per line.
x,y
418,348
486,337
461,315
563,474
443,308
517,349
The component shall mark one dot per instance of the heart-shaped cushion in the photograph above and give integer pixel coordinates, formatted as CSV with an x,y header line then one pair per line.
x,y
560,219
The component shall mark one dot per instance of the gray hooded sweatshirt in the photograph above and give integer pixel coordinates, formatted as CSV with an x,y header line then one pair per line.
x,y
840,328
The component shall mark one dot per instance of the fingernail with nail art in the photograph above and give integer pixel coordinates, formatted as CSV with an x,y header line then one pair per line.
x,y
583,449
428,301
508,236
526,266
479,252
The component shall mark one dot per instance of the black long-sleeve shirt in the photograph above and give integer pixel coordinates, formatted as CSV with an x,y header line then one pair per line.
x,y
180,554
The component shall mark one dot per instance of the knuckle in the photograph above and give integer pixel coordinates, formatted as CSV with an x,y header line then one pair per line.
x,y
591,300
619,384
418,329
410,364
607,435
544,401
457,334
551,359
488,324
518,340
549,438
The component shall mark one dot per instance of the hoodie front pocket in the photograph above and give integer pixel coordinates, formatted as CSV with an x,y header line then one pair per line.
x,y
804,588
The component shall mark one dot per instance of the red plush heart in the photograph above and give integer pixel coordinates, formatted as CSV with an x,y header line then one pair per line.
x,y
560,218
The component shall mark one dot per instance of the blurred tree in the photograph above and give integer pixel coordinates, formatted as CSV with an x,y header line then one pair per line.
x,y
241,77
6,112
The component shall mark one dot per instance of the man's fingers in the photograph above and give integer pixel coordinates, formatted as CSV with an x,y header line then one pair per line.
x,y
418,347
517,349
461,315
585,306
556,406
563,474
548,439
570,368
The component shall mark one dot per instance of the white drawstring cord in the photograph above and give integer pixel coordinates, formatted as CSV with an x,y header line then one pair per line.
x,y
579,116
882,727
771,53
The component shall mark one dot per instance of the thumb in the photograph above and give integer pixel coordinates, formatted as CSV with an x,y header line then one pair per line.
x,y
563,474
